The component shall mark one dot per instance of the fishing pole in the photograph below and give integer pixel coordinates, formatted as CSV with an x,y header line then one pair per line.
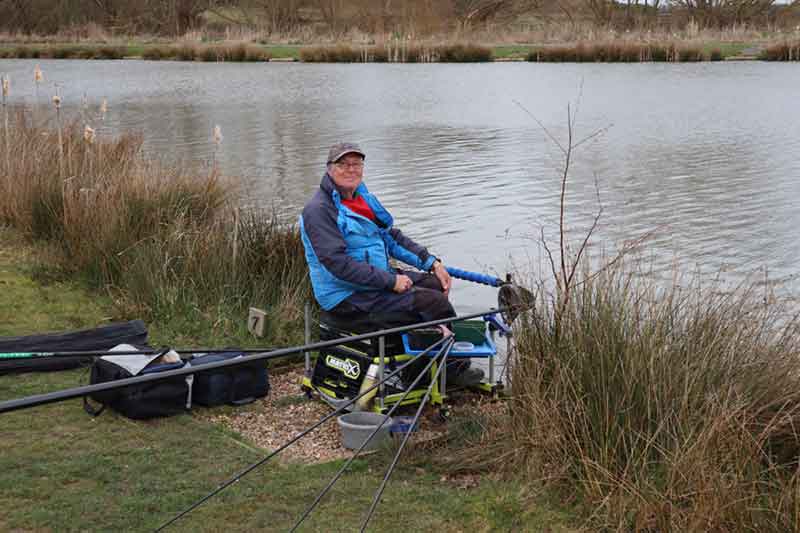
x,y
396,458
58,396
146,351
511,296
399,402
300,435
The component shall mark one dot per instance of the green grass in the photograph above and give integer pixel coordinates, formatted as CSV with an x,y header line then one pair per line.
x,y
61,470
728,49
508,51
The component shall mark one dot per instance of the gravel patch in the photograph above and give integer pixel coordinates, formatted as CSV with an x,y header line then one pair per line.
x,y
286,411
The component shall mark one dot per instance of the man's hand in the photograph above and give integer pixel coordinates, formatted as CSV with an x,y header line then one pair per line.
x,y
402,283
443,276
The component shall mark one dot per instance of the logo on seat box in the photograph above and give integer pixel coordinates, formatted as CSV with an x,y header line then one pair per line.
x,y
348,367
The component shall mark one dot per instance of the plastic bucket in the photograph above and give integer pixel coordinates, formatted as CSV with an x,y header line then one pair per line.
x,y
402,425
356,428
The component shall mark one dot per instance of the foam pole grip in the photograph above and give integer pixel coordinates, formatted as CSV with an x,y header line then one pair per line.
x,y
474,277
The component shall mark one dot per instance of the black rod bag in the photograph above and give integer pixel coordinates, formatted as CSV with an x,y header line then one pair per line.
x,y
100,338
235,385
141,401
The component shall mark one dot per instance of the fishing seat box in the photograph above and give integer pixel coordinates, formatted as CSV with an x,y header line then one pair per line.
x,y
154,399
340,370
235,385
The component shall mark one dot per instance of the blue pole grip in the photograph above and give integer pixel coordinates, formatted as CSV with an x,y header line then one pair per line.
x,y
474,277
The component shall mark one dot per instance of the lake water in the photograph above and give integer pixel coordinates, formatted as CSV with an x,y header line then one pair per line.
x,y
466,156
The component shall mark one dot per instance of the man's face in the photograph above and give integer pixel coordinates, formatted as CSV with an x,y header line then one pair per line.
x,y
347,172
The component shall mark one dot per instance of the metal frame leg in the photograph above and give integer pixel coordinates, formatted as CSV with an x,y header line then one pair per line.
x,y
307,333
381,355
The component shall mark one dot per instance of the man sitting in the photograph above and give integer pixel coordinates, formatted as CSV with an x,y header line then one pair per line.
x,y
349,237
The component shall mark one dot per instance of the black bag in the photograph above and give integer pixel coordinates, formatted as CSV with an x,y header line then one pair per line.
x,y
237,385
99,338
145,400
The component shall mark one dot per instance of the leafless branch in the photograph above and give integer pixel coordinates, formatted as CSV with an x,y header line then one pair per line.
x,y
542,126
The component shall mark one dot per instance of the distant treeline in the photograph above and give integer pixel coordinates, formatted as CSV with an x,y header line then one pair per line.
x,y
310,18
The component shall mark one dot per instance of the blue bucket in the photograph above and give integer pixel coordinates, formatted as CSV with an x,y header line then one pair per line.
x,y
403,424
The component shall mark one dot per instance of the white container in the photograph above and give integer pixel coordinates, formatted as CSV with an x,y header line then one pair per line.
x,y
357,426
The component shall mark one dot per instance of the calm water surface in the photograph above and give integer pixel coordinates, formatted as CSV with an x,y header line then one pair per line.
x,y
704,155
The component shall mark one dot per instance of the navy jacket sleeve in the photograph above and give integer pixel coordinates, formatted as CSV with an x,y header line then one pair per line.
x,y
329,247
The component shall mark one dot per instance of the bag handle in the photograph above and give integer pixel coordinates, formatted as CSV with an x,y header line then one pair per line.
x,y
92,411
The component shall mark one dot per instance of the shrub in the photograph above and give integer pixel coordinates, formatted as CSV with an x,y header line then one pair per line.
x,y
110,52
184,52
154,53
463,53
786,51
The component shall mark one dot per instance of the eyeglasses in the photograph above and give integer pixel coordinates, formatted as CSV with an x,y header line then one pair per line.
x,y
357,164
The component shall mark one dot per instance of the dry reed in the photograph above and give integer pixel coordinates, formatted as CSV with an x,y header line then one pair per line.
x,y
659,408
156,236
399,51
623,52
6,86
785,51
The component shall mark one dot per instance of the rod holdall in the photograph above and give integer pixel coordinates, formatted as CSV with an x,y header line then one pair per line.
x,y
145,400
235,385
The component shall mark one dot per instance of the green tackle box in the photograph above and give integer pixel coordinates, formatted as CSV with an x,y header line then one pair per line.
x,y
473,331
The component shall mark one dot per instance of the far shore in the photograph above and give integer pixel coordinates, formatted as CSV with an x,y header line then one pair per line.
x,y
616,50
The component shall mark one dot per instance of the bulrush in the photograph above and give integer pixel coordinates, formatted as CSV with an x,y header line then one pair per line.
x,y
57,104
217,137
88,134
6,89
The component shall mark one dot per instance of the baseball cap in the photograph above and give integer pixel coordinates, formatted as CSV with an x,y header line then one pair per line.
x,y
341,149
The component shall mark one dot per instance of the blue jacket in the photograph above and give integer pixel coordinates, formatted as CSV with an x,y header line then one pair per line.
x,y
347,252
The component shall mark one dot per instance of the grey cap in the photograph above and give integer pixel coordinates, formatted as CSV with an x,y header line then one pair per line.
x,y
340,149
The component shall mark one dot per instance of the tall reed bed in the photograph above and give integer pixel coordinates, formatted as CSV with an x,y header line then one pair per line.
x,y
785,51
183,52
240,52
660,409
161,239
623,52
64,51
397,52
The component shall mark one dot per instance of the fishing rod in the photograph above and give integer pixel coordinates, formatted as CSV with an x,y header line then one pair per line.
x,y
58,396
511,296
303,433
399,402
376,499
145,351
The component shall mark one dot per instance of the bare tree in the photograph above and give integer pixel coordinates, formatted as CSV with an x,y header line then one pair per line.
x,y
719,13
469,12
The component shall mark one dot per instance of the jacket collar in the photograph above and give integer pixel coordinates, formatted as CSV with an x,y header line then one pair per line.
x,y
329,187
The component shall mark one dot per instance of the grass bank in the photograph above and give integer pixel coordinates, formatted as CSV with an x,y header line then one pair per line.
x,y
398,52
165,243
405,51
62,470
660,408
